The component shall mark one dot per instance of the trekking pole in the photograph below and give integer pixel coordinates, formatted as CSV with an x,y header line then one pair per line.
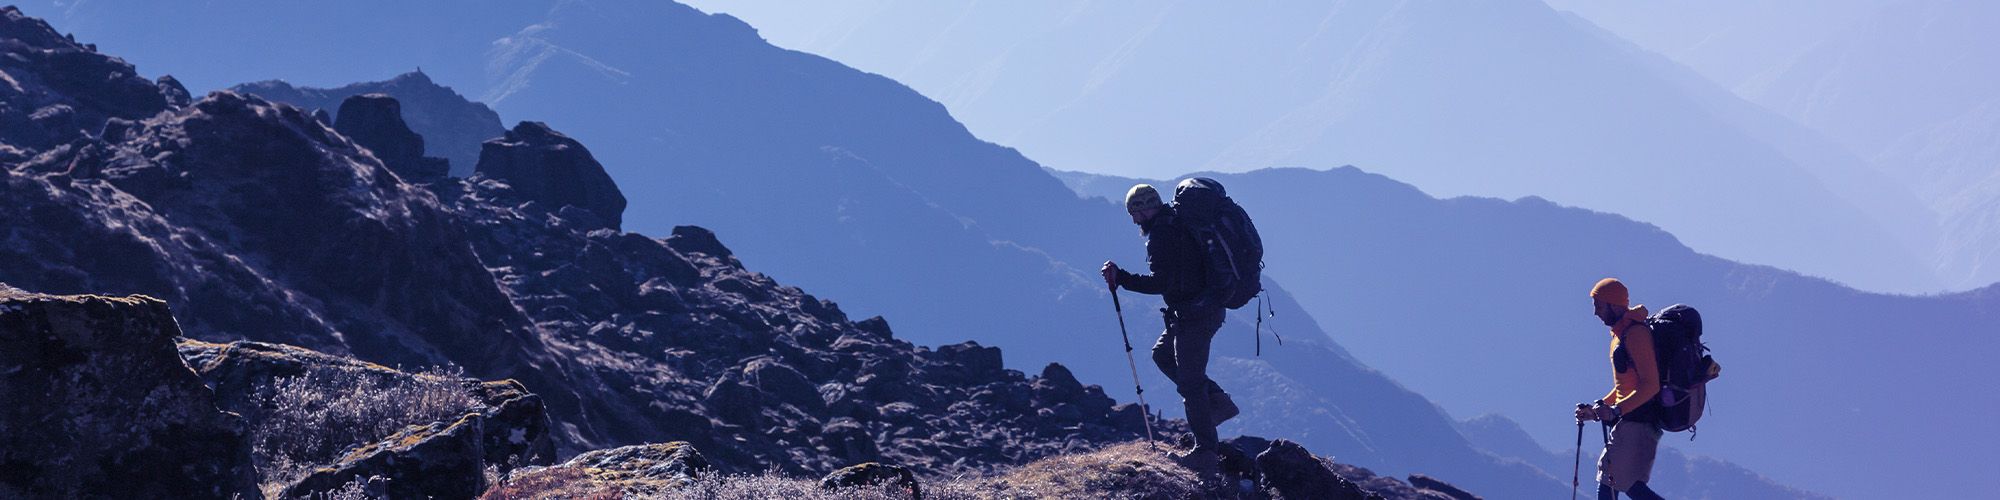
x,y
1576,470
1145,412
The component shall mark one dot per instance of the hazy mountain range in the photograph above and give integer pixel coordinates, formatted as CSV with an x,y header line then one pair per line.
x,y
1904,84
1543,103
859,188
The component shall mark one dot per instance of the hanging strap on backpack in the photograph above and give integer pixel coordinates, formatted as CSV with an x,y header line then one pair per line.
x,y
1264,309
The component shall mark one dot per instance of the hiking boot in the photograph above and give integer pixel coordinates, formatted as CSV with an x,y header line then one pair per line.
x,y
1201,461
1221,407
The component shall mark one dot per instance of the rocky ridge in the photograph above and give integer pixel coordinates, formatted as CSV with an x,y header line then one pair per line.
x,y
268,224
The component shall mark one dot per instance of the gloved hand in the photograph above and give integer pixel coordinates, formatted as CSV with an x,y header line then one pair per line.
x,y
1585,412
1605,412
1110,272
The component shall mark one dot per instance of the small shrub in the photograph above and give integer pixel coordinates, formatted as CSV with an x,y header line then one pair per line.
x,y
312,420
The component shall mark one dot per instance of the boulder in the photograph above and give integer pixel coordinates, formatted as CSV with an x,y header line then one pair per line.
x,y
1423,482
1056,385
516,427
99,404
697,239
639,471
874,474
970,361
1289,471
550,168
375,121
783,384
176,94
732,401
847,439
441,460
658,466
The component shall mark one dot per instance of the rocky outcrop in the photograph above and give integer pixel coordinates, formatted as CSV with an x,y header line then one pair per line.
x,y
270,227
1427,483
757,374
99,405
56,90
440,460
375,121
452,126
1284,469
265,224
1287,470
171,89
546,167
874,474
514,428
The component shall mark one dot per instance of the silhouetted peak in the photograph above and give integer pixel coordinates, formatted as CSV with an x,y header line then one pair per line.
x,y
414,78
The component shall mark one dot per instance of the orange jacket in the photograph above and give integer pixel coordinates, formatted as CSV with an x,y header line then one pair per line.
x,y
1637,380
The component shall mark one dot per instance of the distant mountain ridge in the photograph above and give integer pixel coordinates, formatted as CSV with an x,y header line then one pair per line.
x,y
1081,45
1417,90
1900,84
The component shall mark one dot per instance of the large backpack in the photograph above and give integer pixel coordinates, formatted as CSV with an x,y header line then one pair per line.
x,y
1684,367
1235,252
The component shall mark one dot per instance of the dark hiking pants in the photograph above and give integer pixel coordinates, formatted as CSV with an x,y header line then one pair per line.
x,y
1182,354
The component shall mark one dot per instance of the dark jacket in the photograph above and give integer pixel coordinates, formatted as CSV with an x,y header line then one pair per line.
x,y
1179,269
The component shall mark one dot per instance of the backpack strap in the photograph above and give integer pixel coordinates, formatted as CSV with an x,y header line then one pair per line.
x,y
1628,327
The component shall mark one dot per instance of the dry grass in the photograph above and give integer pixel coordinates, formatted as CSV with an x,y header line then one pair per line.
x,y
1130,470
558,482
1125,471
312,420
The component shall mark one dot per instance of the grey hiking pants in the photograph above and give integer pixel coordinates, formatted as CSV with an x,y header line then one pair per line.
x,y
1182,354
1628,458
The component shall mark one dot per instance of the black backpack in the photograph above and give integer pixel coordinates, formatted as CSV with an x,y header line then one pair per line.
x,y
1235,252
1684,367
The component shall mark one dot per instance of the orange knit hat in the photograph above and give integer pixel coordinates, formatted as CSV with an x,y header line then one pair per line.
x,y
1611,291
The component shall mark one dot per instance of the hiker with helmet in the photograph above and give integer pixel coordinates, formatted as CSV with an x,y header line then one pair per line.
x,y
1182,272
1629,409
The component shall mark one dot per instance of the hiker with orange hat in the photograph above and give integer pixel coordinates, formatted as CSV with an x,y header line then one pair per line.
x,y
1627,462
